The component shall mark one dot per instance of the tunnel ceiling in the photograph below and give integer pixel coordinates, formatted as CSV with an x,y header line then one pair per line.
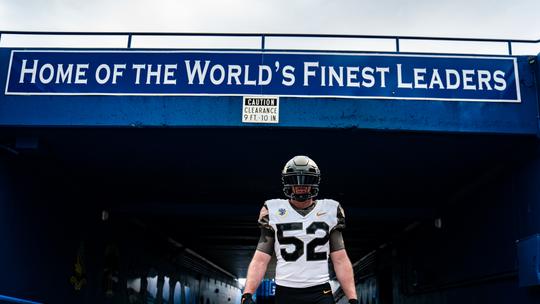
x,y
204,187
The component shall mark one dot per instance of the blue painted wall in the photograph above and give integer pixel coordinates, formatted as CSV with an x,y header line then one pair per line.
x,y
294,112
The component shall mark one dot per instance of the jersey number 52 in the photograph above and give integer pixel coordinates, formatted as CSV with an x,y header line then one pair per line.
x,y
298,251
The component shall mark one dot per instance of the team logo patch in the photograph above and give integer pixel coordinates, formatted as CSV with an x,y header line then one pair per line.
x,y
282,211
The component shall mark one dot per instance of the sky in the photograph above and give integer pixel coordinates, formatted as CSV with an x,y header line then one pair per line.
x,y
496,19
516,19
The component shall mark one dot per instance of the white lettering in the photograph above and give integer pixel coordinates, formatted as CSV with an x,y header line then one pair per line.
x,y
483,79
100,68
419,77
468,80
138,68
64,76
288,76
42,71
436,80
201,74
234,72
368,78
309,72
498,77
382,72
118,71
80,73
32,71
156,74
335,76
248,81
449,84
262,79
213,79
402,84
352,74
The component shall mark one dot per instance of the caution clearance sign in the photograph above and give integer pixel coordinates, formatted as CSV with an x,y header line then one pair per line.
x,y
260,109
290,74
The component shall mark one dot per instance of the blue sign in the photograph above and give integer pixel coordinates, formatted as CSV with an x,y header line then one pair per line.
x,y
288,74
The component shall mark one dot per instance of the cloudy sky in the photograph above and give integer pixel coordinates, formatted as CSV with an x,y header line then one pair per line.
x,y
516,19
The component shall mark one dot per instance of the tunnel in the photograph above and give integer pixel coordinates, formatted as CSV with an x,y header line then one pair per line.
x,y
148,203
110,198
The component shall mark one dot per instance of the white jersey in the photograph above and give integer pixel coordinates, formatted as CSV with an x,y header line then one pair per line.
x,y
301,242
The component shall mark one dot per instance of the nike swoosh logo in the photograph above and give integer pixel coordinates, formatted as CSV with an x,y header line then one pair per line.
x,y
320,213
327,291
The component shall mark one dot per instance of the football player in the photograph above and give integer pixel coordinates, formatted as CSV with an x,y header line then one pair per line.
x,y
303,233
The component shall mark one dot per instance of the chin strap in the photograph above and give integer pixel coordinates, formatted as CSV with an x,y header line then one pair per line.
x,y
301,197
287,190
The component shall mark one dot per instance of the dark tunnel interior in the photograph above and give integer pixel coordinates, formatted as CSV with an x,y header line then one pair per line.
x,y
160,192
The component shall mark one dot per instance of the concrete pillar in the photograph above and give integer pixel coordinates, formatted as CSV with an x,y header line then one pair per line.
x,y
159,296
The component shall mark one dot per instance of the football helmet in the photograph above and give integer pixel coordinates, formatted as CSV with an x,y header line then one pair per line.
x,y
301,171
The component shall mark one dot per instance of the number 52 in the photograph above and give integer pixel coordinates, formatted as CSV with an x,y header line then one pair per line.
x,y
299,245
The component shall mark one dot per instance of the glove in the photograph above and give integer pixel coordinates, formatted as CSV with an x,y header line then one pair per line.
x,y
246,299
353,301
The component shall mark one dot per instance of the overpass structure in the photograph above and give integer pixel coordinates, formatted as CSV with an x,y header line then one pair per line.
x,y
133,165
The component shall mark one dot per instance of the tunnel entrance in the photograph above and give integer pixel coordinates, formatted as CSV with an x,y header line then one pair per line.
x,y
177,207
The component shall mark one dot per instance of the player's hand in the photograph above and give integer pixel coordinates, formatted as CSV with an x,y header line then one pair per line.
x,y
246,299
353,301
